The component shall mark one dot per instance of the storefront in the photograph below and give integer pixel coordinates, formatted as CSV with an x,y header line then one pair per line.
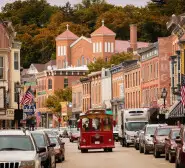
x,y
6,120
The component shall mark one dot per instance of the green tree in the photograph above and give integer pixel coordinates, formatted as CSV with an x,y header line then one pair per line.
x,y
53,102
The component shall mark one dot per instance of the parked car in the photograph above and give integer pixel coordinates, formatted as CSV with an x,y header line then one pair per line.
x,y
115,133
180,150
74,135
136,139
146,144
161,133
18,149
59,148
47,157
170,145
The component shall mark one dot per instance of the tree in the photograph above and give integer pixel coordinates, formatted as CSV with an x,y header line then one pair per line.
x,y
53,102
114,60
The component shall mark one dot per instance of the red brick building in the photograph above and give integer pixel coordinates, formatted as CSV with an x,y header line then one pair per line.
x,y
155,72
72,50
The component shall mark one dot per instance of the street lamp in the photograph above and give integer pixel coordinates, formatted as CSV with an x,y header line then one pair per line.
x,y
18,88
164,95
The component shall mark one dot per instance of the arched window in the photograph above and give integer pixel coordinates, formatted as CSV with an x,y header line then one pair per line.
x,y
83,60
49,84
94,59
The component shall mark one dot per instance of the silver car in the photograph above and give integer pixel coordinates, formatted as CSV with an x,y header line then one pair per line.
x,y
18,149
145,140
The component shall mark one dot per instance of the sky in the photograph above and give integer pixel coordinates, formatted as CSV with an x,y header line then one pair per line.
x,y
62,2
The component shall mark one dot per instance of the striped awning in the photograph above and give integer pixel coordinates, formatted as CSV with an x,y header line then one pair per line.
x,y
177,111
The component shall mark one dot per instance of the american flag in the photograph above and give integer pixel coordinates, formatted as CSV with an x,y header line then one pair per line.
x,y
38,118
27,97
183,89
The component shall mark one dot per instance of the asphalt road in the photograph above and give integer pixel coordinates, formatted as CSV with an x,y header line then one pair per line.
x,y
120,157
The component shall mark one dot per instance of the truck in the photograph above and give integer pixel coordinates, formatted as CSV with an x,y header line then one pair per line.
x,y
131,121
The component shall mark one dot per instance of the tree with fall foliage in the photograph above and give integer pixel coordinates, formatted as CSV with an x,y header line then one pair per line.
x,y
53,102
114,60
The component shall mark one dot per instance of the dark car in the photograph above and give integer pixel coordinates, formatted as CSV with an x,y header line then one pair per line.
x,y
48,157
170,145
74,135
180,150
160,134
59,148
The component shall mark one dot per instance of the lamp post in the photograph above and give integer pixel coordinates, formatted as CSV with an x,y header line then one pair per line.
x,y
164,95
18,91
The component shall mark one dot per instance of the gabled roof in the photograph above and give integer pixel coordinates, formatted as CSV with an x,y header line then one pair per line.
x,y
103,31
66,35
81,38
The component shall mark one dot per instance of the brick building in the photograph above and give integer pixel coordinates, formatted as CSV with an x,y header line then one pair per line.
x,y
72,50
132,84
49,81
155,72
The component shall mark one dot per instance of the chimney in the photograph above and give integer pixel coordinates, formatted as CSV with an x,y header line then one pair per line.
x,y
133,36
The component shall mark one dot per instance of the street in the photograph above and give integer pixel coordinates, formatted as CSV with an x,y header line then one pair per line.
x,y
119,158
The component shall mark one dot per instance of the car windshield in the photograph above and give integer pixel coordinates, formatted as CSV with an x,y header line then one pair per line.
x,y
115,128
18,142
150,130
163,131
50,133
175,133
54,140
39,139
135,126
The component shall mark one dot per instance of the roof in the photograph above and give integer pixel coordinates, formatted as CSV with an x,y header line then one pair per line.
x,y
67,35
42,67
13,132
81,38
123,45
103,30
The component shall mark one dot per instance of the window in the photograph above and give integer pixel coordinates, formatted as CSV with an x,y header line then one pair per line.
x,y
94,47
1,68
100,45
106,59
109,47
16,61
65,82
59,51
83,61
64,50
105,46
107,124
112,47
97,49
94,59
49,83
15,93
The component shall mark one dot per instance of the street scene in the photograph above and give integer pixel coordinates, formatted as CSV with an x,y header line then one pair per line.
x,y
92,83
121,157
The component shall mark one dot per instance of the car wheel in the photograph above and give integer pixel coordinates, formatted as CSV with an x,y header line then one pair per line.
x,y
140,148
145,150
166,155
156,153
171,158
110,150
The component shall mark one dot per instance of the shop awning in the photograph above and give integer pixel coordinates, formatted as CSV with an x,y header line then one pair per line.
x,y
177,110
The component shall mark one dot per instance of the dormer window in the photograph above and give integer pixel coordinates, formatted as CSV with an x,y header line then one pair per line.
x,y
50,84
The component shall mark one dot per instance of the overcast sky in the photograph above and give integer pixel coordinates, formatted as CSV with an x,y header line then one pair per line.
x,y
62,2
